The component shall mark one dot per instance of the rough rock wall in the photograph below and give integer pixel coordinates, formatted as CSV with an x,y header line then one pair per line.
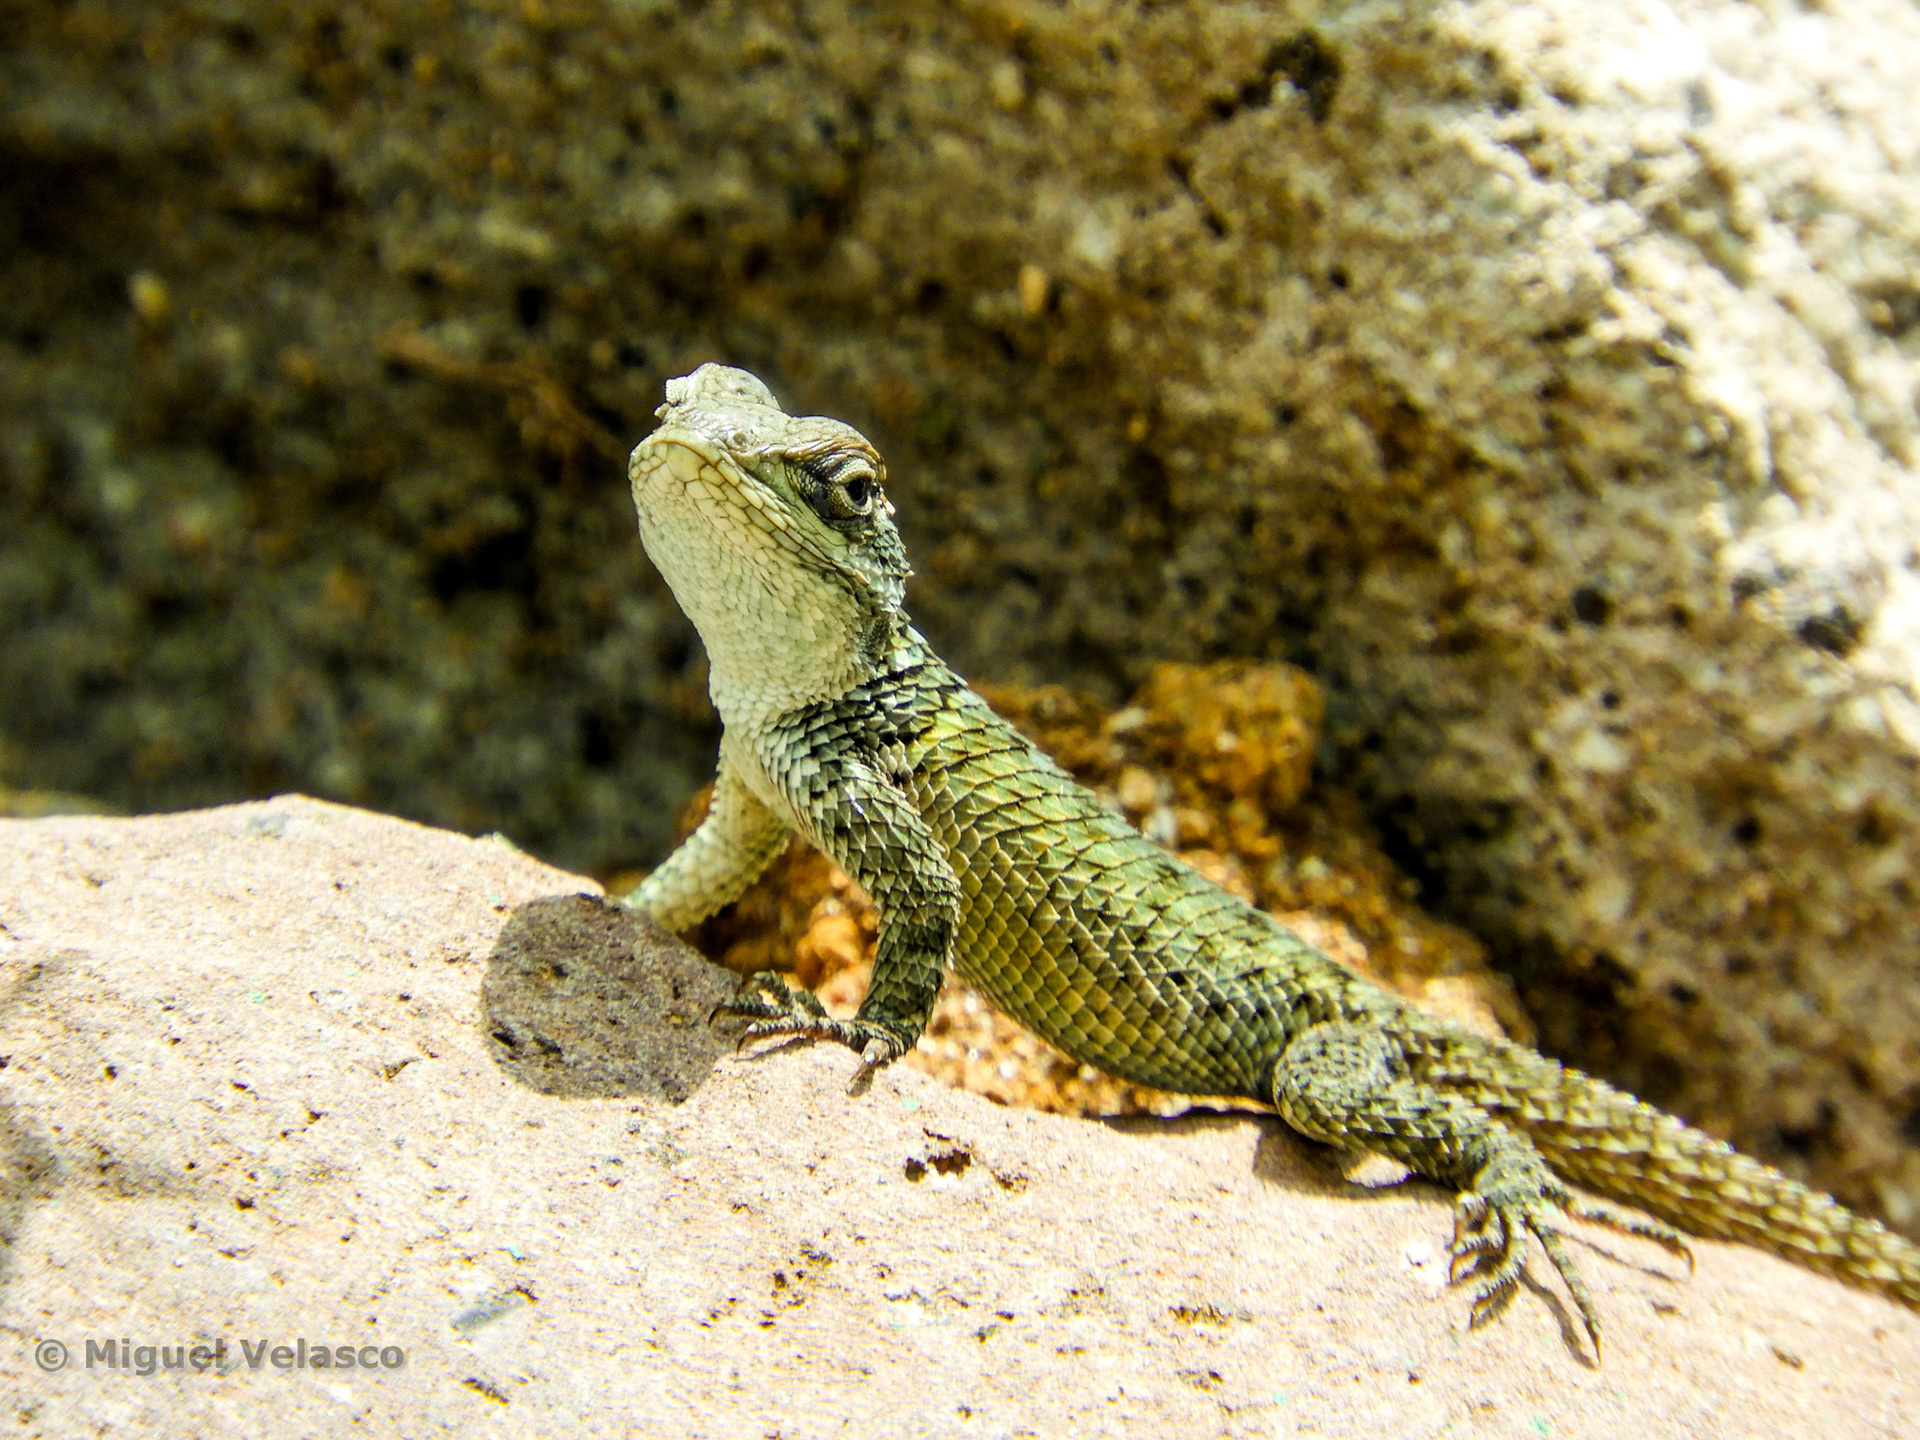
x,y
1539,374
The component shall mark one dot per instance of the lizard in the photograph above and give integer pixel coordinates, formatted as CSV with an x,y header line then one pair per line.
x,y
840,723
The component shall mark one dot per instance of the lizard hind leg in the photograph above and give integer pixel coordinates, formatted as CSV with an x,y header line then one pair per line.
x,y
1347,1083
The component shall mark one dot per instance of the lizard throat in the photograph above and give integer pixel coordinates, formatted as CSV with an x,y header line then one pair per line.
x,y
782,628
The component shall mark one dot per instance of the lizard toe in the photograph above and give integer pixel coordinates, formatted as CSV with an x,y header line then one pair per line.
x,y
1646,1228
1488,1231
1479,1236
774,1009
764,996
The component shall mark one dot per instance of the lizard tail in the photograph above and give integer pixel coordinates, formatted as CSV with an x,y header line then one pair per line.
x,y
1607,1141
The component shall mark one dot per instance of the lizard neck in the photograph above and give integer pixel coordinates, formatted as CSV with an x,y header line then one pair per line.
x,y
770,649
783,668
870,674
768,662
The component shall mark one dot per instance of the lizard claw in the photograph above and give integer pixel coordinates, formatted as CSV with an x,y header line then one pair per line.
x,y
880,1051
765,998
1665,1236
1511,1199
1503,1209
772,1007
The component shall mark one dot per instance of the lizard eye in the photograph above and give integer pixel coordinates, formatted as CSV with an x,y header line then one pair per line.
x,y
840,487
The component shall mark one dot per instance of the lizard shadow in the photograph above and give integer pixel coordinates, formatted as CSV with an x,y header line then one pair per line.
x,y
29,1166
1296,1163
40,1161
583,999
1281,1156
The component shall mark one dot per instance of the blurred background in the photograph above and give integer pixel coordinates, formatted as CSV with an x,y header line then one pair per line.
x,y
1539,376
329,328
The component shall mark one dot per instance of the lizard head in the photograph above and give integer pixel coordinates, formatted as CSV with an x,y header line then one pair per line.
x,y
775,535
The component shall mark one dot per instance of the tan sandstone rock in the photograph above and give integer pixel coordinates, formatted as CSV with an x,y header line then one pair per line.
x,y
294,1073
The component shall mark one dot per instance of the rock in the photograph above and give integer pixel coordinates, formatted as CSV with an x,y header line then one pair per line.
x,y
583,1003
255,1093
1541,374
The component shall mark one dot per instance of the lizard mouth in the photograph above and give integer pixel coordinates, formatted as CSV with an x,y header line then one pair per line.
x,y
697,467
676,469
723,484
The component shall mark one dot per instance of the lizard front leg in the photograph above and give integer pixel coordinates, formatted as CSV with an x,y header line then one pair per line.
x,y
869,829
714,865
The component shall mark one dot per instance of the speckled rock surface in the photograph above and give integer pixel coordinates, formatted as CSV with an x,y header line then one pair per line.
x,y
1539,374
287,1074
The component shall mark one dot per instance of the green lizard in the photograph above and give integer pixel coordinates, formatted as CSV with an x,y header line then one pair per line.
x,y
843,725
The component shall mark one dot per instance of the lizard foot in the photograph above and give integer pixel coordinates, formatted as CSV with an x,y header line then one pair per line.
x,y
772,1007
1512,1198
1509,1202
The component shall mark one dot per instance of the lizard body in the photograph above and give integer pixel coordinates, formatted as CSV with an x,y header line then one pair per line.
x,y
841,724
